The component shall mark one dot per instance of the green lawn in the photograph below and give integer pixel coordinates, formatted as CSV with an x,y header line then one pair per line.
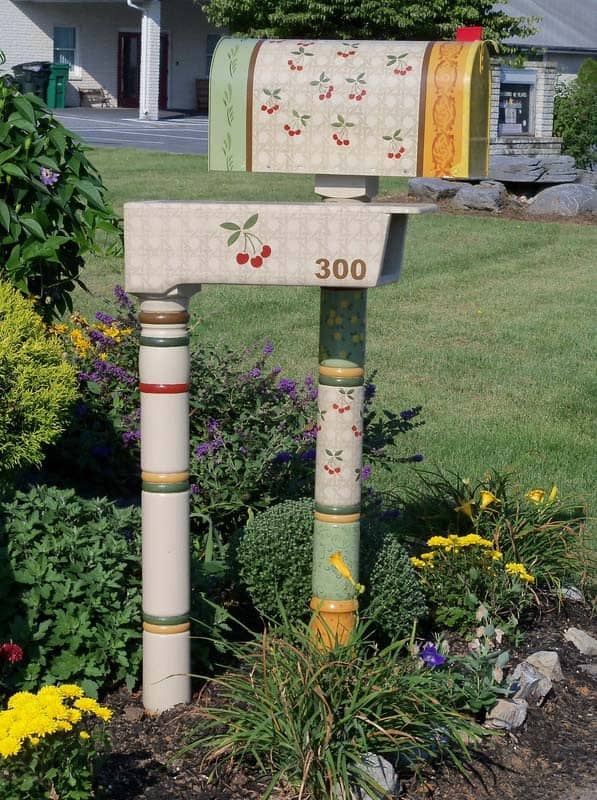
x,y
490,327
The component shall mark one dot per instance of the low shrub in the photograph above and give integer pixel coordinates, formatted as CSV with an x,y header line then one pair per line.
x,y
49,742
310,716
274,557
53,207
575,115
37,386
70,593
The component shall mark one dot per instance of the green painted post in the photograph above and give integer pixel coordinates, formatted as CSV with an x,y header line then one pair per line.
x,y
342,329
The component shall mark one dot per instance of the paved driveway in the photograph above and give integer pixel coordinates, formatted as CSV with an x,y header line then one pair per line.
x,y
119,127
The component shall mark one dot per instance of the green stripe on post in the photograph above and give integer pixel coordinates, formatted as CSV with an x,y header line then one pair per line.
x,y
338,510
165,488
162,341
179,620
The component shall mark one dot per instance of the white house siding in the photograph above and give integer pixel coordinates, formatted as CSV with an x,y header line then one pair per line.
x,y
26,34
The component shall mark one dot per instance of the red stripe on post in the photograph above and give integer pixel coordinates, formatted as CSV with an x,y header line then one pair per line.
x,y
164,388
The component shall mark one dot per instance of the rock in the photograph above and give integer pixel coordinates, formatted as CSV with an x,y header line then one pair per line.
x,y
533,169
132,713
572,594
507,715
382,773
586,644
588,177
434,188
590,669
547,662
566,201
533,686
487,196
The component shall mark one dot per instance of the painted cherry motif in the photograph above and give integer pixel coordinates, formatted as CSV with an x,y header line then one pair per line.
x,y
299,121
296,64
398,63
254,250
272,101
350,49
324,89
357,433
341,135
357,92
345,398
333,461
396,149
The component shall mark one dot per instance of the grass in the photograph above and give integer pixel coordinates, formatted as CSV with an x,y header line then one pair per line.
x,y
490,327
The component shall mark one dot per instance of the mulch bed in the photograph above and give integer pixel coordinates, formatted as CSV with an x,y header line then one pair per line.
x,y
551,757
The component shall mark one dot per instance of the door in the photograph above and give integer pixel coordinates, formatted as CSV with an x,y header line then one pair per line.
x,y
129,69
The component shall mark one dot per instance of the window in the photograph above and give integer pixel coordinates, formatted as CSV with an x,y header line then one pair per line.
x,y
65,47
517,102
212,40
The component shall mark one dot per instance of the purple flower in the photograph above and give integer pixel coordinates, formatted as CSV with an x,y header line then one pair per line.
x,y
102,316
194,487
122,298
287,386
203,449
409,413
243,450
365,472
101,339
370,390
107,369
430,656
48,177
283,457
308,455
213,426
130,437
276,371
267,348
254,373
309,382
100,452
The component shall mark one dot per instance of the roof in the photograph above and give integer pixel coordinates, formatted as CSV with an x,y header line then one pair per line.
x,y
565,24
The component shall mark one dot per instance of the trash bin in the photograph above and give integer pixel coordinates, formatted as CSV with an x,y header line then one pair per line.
x,y
57,83
33,77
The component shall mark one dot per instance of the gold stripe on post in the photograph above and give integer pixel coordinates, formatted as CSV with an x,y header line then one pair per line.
x,y
164,477
165,630
341,372
336,519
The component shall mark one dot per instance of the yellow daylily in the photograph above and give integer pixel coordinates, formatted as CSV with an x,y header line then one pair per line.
x,y
553,494
536,496
466,508
487,498
337,561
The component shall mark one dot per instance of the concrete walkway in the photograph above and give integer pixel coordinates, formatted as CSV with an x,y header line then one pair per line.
x,y
174,132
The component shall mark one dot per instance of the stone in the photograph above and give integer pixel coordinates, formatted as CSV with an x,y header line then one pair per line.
x,y
434,188
568,200
590,669
507,715
588,177
547,662
382,773
533,169
586,644
572,594
486,196
529,684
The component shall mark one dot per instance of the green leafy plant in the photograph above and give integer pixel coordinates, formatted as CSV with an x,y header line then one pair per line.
x,y
274,557
575,115
52,202
310,716
70,588
49,742
37,386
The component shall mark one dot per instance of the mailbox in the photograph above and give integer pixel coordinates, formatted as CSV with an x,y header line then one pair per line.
x,y
350,107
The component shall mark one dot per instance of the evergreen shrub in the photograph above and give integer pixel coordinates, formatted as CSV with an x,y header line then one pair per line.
x,y
37,385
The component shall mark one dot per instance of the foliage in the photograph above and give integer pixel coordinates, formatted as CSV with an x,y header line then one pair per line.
x,y
274,556
70,588
52,202
575,115
48,744
310,716
370,19
539,528
10,654
37,387
462,573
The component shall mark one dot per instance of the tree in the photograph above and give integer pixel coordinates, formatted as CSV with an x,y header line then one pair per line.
x,y
368,19
575,115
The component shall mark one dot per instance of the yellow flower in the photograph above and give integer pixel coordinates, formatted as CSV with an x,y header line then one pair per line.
x,y
473,539
71,690
553,494
438,541
466,508
84,735
34,740
9,746
428,556
536,496
496,555
337,561
417,562
519,571
487,498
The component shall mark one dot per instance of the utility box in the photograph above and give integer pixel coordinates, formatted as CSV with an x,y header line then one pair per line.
x,y
57,83
350,107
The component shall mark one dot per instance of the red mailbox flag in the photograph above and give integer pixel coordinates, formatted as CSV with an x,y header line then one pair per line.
x,y
472,33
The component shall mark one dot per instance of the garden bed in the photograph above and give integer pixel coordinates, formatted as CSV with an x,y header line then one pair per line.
x,y
550,758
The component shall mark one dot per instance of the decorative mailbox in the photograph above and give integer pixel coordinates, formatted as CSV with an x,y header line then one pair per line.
x,y
350,108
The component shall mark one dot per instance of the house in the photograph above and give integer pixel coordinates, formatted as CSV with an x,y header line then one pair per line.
x,y
143,54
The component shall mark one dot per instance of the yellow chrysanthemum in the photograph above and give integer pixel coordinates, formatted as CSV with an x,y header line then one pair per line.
x,y
519,570
438,541
496,555
71,690
9,746
84,735
417,562
487,498
21,700
428,556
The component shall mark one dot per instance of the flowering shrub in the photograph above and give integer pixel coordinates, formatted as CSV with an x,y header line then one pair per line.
x,y
462,573
48,744
536,527
52,202
10,654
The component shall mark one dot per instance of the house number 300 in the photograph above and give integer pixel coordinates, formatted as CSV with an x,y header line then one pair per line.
x,y
340,269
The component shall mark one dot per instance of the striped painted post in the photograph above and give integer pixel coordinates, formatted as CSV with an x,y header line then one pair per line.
x,y
164,386
342,328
